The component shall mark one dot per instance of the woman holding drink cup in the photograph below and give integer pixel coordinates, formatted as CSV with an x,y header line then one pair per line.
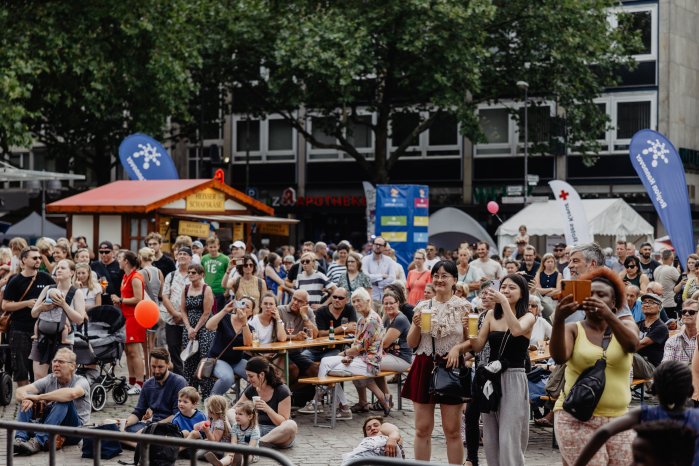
x,y
272,399
437,329
507,329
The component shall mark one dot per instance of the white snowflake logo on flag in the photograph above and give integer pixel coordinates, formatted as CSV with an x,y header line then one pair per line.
x,y
149,154
658,150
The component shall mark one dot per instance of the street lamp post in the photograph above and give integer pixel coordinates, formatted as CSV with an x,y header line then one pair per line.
x,y
525,86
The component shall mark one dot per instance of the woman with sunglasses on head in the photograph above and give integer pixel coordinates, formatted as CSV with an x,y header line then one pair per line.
x,y
444,342
195,308
507,329
633,275
231,328
247,283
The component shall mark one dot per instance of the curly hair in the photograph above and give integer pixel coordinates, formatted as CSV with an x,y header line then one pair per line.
x,y
610,278
672,381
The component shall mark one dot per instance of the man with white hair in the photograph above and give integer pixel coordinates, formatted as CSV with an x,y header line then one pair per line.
x,y
67,398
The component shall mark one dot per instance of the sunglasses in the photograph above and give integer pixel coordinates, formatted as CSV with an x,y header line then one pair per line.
x,y
379,245
339,298
249,265
305,262
192,272
630,266
690,312
105,251
558,250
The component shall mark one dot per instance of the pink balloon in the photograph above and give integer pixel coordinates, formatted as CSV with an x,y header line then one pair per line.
x,y
493,207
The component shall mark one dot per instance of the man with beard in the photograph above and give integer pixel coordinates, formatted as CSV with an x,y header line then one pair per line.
x,y
561,258
492,270
648,264
529,265
298,316
159,393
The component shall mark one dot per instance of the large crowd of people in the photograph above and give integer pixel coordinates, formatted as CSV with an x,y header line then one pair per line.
x,y
637,320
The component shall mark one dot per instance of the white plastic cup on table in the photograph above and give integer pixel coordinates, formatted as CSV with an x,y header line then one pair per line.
x,y
255,339
426,321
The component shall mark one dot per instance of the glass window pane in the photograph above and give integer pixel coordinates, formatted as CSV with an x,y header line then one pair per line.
x,y
358,134
444,131
539,124
280,135
638,22
323,128
631,117
402,125
134,228
248,135
494,124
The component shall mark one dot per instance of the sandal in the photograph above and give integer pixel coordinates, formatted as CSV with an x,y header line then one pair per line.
x,y
360,408
543,422
388,399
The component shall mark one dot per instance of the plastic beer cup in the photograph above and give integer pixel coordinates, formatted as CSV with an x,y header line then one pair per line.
x,y
426,321
472,325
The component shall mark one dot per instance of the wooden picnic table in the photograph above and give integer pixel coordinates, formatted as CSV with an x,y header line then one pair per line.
x,y
534,355
285,346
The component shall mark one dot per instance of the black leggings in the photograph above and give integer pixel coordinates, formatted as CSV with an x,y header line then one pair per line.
x,y
473,434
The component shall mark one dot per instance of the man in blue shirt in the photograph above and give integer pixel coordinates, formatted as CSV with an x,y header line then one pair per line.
x,y
159,393
632,294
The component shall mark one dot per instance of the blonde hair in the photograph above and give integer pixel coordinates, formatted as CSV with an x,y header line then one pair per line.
x,y
217,404
248,407
43,245
92,283
190,393
5,255
546,257
146,254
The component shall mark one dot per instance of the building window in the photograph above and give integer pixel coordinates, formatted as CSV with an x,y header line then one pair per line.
x,y
642,19
631,117
504,136
402,124
359,133
138,231
247,136
495,124
444,131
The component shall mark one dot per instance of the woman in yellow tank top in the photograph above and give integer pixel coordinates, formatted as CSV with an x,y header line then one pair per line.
x,y
579,345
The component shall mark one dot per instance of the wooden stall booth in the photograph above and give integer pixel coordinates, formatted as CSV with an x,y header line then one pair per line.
x,y
124,212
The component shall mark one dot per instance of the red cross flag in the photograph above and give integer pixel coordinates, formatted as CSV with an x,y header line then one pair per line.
x,y
576,228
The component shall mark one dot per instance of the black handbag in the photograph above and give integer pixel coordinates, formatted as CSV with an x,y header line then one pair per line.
x,y
453,383
488,386
586,392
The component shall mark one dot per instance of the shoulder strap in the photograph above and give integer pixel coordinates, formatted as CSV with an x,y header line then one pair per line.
x,y
605,341
503,343
259,286
29,287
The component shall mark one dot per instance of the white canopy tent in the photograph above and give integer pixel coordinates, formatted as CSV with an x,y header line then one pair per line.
x,y
609,220
449,227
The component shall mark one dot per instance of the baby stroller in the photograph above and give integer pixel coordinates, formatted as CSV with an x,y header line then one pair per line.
x,y
101,342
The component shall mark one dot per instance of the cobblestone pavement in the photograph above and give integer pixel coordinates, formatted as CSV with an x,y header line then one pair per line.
x,y
314,446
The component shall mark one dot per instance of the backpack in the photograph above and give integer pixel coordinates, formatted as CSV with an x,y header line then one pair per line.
x,y
160,455
585,394
109,448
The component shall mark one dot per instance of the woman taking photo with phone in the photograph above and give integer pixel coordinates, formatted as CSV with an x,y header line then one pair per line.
x,y
580,345
507,329
438,338
231,329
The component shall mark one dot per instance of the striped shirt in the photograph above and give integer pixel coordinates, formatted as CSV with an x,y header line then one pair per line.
x,y
335,271
314,285
680,347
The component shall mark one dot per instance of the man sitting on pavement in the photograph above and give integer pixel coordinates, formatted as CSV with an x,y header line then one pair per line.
x,y
680,347
338,309
67,398
159,393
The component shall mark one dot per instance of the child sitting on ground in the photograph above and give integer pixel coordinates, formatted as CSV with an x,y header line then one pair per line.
x,y
672,382
245,431
188,415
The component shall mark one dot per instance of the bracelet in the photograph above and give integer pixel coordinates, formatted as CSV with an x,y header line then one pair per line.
x,y
280,321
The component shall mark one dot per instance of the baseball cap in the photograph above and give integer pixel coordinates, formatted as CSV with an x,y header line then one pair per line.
x,y
238,245
652,296
106,245
197,244
186,249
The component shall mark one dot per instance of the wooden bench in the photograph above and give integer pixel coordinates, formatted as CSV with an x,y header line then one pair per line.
x,y
332,381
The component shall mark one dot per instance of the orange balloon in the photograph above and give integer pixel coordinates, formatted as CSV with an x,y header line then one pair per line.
x,y
147,314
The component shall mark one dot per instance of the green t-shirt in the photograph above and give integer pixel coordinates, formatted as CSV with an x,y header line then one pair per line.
x,y
215,269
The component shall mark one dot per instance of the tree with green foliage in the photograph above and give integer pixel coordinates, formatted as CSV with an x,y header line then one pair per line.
x,y
337,59
86,74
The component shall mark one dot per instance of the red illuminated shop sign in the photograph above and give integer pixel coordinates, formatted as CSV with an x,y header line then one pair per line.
x,y
331,201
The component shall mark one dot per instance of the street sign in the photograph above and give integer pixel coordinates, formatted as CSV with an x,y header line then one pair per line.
x,y
512,199
533,180
514,190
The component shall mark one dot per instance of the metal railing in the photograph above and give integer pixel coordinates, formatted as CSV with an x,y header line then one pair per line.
x,y
144,440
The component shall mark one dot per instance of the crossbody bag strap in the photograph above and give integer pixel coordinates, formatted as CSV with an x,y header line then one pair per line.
x,y
605,341
29,287
230,342
503,344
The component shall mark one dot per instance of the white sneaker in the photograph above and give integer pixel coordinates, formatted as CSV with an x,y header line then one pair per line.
x,y
134,390
311,407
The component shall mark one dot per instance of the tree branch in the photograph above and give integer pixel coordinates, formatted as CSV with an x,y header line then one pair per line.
x,y
400,150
